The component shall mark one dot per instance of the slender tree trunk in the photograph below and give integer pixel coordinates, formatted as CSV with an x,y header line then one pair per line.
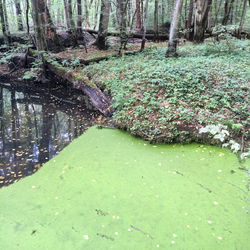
x,y
243,17
27,16
3,24
101,41
96,13
86,5
189,33
144,29
6,18
71,20
162,12
227,11
123,24
217,11
138,15
79,17
66,10
118,13
19,15
156,25
172,43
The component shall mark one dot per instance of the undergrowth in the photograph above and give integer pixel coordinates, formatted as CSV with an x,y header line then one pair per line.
x,y
165,100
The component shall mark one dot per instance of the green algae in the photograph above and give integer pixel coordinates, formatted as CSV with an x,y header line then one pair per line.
x,y
109,190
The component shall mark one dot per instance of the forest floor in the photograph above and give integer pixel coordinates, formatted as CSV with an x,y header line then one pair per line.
x,y
170,99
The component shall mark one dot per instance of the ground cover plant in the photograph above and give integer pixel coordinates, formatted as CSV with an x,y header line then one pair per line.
x,y
110,190
170,99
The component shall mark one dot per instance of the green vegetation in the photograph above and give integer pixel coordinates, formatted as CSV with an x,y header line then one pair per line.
x,y
166,100
109,190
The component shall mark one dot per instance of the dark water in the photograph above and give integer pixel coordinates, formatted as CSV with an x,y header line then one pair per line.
x,y
35,124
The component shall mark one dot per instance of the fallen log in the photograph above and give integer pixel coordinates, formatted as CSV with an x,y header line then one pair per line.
x,y
81,82
149,36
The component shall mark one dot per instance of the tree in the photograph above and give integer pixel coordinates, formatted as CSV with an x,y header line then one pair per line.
x,y
144,29
79,17
172,43
87,6
200,19
189,34
228,7
138,14
3,24
45,32
19,15
70,22
156,26
101,41
243,17
122,5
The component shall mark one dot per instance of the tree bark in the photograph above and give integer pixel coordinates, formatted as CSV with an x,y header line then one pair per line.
x,y
86,5
189,34
27,17
96,13
79,17
46,36
138,15
144,29
66,10
172,43
123,24
19,15
200,19
3,24
242,17
227,11
156,25
101,41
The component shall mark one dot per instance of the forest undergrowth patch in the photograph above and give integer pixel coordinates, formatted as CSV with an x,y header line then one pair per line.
x,y
169,100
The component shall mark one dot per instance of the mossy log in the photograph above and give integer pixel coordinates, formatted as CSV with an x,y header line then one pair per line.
x,y
99,100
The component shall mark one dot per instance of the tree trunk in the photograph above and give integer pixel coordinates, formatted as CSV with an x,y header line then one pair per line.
x,y
242,17
162,12
46,37
86,4
200,19
6,18
156,26
66,10
101,41
138,15
3,24
227,11
123,24
96,13
27,16
19,15
79,17
189,34
144,29
172,43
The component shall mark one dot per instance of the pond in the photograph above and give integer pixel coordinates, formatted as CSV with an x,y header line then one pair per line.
x,y
110,190
36,122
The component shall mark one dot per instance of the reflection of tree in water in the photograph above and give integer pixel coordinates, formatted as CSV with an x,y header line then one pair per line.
x,y
35,124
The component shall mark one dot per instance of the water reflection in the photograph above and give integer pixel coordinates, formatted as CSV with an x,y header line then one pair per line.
x,y
35,124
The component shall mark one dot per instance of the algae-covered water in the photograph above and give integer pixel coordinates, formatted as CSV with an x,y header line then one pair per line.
x,y
109,190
